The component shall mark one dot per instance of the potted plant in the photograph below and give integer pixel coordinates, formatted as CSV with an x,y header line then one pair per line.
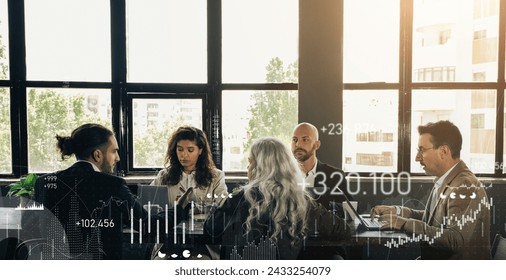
x,y
23,188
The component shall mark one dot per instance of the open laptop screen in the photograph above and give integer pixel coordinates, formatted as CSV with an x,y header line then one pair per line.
x,y
154,195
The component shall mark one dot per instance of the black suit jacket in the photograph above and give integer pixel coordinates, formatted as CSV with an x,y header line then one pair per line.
x,y
330,186
91,208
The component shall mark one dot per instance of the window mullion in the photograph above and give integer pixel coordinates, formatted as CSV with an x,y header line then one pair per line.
x,y
17,58
405,85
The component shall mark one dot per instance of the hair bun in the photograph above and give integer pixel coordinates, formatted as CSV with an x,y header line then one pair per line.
x,y
66,145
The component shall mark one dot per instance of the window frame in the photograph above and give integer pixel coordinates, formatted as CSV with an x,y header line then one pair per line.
x,y
122,91
212,90
131,96
407,85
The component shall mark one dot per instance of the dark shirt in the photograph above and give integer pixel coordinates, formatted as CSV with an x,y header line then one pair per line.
x,y
330,186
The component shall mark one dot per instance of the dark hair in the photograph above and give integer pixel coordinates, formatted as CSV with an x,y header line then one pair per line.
x,y
444,133
204,166
83,141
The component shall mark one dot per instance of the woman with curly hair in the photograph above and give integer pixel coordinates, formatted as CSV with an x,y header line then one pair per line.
x,y
273,206
188,164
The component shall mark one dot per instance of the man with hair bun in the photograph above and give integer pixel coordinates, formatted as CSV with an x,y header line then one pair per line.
x,y
91,204
92,143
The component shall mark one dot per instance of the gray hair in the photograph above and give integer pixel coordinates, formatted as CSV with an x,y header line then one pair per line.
x,y
278,178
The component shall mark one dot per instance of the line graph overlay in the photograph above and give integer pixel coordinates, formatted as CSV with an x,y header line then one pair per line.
x,y
459,221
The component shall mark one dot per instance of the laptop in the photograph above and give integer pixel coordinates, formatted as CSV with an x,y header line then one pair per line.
x,y
156,196
365,221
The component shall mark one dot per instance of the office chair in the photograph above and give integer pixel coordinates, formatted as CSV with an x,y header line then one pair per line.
x,y
30,247
499,248
8,248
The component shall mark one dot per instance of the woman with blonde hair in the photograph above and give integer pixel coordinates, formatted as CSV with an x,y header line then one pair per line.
x,y
273,206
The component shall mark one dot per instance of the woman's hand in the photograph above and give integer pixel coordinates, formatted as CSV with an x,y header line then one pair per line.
x,y
185,198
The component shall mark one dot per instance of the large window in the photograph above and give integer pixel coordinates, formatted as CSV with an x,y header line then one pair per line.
x,y
445,69
231,67
249,115
54,111
254,33
166,41
5,132
67,41
144,69
154,121
370,131
371,55
444,35
371,51
472,111
5,122
4,41
260,40
457,45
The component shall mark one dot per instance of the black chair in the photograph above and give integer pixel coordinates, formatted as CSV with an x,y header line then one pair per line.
x,y
8,248
30,247
499,248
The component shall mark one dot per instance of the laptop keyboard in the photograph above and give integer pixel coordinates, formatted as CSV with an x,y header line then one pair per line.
x,y
374,223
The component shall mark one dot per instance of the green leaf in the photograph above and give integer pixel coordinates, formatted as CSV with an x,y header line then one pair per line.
x,y
30,179
24,187
24,192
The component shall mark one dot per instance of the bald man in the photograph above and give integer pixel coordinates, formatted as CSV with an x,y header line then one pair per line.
x,y
326,183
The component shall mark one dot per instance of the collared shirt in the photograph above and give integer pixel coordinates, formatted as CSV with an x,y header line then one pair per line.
x,y
310,176
188,180
92,164
437,184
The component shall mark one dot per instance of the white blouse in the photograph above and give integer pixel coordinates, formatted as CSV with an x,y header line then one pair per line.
x,y
216,193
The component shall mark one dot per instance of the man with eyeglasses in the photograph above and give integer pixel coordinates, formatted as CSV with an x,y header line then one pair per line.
x,y
456,221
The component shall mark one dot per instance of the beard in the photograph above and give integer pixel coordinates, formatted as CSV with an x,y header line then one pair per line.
x,y
106,168
302,155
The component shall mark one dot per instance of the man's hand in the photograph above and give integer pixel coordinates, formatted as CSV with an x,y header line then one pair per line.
x,y
382,210
392,221
185,198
